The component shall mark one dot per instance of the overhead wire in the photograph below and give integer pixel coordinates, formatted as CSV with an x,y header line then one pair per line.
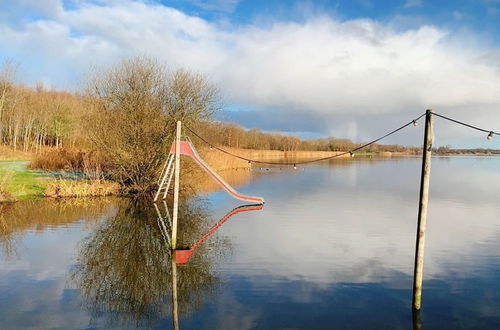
x,y
349,152
466,125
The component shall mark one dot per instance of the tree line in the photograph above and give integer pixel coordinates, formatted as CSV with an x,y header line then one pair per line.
x,y
33,118
121,124
234,136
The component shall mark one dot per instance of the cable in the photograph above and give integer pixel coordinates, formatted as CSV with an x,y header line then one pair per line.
x,y
466,125
412,122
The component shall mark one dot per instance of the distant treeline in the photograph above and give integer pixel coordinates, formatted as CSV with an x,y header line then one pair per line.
x,y
33,118
234,136
448,150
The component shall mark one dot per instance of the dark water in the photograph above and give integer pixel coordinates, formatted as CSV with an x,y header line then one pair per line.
x,y
331,249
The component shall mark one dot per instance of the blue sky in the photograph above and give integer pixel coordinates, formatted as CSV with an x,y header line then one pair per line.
x,y
314,68
478,15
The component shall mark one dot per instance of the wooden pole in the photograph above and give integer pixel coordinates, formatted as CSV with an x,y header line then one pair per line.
x,y
177,169
422,210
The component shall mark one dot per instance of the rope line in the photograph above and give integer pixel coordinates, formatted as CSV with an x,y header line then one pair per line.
x,y
412,122
466,125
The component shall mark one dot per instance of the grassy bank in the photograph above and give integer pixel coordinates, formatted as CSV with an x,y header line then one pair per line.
x,y
18,183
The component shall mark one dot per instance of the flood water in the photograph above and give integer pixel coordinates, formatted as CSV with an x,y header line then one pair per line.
x,y
332,248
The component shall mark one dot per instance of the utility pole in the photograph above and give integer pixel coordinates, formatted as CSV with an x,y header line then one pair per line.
x,y
422,210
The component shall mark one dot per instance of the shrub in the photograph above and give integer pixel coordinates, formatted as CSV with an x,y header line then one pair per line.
x,y
81,188
133,109
90,163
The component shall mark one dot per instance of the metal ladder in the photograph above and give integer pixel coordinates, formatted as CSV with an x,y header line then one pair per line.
x,y
166,177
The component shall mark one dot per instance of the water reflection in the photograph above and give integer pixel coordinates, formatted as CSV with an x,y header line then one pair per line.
x,y
125,271
175,305
37,216
123,268
182,254
333,248
417,320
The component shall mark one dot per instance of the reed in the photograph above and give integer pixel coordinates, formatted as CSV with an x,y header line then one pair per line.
x,y
57,159
81,188
4,195
220,161
8,153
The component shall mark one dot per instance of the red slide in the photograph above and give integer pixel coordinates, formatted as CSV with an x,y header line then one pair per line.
x,y
188,149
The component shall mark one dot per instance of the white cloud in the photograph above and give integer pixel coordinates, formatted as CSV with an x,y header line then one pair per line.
x,y
323,65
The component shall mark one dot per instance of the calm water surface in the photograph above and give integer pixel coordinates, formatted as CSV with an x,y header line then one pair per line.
x,y
332,248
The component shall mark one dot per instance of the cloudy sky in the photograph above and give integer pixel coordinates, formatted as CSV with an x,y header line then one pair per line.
x,y
345,68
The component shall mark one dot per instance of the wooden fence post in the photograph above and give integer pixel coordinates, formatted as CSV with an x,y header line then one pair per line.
x,y
177,170
422,210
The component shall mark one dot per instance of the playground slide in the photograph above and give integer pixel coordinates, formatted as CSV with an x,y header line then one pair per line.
x,y
188,149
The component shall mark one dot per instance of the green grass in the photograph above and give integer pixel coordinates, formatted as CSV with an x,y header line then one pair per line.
x,y
19,182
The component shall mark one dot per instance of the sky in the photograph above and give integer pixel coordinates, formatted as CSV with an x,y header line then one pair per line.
x,y
345,68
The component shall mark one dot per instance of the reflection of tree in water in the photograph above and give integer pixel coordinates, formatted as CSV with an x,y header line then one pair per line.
x,y
20,217
124,267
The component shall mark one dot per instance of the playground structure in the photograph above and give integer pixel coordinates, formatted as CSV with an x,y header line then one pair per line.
x,y
172,170
187,149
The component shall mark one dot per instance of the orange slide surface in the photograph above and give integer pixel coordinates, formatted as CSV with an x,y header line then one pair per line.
x,y
188,149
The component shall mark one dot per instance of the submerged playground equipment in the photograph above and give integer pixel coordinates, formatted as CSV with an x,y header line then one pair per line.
x,y
183,254
172,169
187,149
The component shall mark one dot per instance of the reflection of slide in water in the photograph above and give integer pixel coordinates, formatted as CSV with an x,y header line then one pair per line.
x,y
187,149
182,255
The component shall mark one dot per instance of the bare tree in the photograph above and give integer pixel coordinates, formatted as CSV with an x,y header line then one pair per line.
x,y
133,110
7,74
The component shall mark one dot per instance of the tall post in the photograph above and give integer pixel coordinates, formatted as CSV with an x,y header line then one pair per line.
x,y
177,169
422,210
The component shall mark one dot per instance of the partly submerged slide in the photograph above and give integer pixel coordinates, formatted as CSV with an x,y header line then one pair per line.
x,y
188,149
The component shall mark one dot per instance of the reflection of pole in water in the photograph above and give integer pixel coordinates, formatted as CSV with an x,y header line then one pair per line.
x,y
175,311
182,256
417,320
